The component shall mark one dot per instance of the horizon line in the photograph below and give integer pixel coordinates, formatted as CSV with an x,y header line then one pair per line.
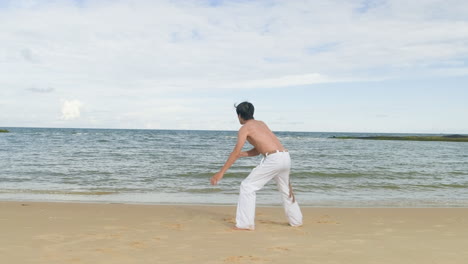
x,y
222,130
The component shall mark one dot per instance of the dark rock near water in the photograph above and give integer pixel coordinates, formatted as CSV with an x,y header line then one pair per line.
x,y
456,136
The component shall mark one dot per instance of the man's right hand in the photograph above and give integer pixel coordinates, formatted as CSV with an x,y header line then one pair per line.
x,y
216,178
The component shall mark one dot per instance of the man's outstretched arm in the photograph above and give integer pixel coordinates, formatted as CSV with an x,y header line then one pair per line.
x,y
235,154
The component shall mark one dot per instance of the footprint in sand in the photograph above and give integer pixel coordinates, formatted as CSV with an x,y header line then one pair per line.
x,y
174,226
105,250
326,219
74,260
244,259
114,236
230,220
281,249
273,222
138,245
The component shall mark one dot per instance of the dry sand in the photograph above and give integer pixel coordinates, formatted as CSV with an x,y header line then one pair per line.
x,y
121,233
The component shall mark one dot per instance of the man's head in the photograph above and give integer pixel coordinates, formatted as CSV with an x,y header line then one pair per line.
x,y
245,110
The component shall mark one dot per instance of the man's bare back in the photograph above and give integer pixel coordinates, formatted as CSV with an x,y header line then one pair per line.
x,y
256,133
261,137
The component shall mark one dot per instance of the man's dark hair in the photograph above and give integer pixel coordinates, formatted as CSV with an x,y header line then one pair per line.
x,y
245,110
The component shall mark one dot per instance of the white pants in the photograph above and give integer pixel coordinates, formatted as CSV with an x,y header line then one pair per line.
x,y
274,166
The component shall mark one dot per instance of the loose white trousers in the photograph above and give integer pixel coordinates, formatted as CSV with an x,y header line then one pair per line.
x,y
274,166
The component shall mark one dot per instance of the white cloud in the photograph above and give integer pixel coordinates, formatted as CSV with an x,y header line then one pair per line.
x,y
283,81
41,90
71,109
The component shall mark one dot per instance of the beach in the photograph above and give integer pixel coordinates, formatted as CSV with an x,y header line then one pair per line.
x,y
37,232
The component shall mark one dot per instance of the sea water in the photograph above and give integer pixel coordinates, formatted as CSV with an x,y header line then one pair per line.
x,y
175,166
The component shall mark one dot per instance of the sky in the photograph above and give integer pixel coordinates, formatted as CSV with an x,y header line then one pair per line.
x,y
392,66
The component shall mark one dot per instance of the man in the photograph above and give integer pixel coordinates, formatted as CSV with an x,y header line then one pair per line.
x,y
275,165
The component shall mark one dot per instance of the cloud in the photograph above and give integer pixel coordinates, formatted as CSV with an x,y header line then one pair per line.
x,y
283,81
29,56
41,90
71,109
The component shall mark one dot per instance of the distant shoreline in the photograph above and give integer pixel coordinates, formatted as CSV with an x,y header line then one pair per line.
x,y
11,128
448,138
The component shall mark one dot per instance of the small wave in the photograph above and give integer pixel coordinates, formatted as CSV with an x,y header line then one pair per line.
x,y
15,180
56,192
462,186
327,175
202,190
441,186
304,188
458,173
210,174
379,186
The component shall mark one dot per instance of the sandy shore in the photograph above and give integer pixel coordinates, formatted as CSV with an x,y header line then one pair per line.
x,y
120,233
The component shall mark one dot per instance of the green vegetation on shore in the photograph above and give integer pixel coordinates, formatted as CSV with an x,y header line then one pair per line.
x,y
450,138
4,131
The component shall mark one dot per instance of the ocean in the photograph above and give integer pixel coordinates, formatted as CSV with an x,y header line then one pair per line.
x,y
175,166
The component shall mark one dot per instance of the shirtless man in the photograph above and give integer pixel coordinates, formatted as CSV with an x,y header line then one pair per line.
x,y
275,165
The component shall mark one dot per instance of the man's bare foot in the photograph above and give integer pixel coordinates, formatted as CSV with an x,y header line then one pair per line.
x,y
242,229
295,226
